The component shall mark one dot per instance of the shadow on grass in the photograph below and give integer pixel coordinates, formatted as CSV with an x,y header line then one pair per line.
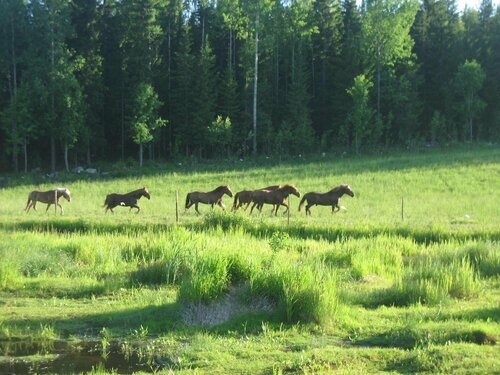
x,y
339,163
413,337
157,320
229,222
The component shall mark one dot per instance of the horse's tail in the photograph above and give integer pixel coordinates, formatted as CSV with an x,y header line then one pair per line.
x,y
187,200
235,202
106,201
304,198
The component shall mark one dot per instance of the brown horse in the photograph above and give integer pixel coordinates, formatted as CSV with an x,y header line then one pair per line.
x,y
330,198
212,197
126,200
245,197
50,197
276,197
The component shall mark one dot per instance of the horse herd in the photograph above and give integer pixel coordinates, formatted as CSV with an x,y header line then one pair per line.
x,y
276,195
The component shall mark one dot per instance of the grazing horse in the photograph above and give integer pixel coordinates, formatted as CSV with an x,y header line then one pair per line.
x,y
330,198
126,200
50,197
276,197
245,197
212,197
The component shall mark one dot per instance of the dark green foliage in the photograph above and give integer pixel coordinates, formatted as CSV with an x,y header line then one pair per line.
x,y
70,75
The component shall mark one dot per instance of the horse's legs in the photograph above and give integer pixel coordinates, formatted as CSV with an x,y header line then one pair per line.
x,y
282,204
221,205
196,208
188,205
48,205
28,205
33,204
135,206
308,209
287,208
253,206
62,211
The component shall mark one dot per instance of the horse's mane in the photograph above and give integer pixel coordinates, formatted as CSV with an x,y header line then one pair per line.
x,y
287,186
222,187
144,189
63,190
339,188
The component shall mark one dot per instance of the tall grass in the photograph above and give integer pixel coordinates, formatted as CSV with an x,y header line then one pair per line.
x,y
304,292
208,278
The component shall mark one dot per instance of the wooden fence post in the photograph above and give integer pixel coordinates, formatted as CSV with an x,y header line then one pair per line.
x,y
402,209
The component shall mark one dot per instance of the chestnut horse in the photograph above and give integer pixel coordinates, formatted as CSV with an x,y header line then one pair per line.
x,y
50,197
330,198
276,197
245,197
126,200
212,197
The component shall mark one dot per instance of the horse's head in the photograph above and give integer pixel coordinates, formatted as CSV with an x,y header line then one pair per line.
x,y
65,193
227,190
346,189
290,189
145,192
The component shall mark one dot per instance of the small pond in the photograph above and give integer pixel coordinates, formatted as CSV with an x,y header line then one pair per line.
x,y
66,357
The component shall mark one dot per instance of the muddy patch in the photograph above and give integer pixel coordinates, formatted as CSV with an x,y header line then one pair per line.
x,y
224,309
63,357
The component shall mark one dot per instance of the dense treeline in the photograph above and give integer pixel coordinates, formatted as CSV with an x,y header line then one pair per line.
x,y
87,80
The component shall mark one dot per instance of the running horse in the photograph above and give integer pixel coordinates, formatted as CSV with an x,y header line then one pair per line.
x,y
212,197
276,197
245,197
126,200
50,197
330,198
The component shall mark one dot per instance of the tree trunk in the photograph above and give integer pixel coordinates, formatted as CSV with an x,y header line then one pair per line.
x,y
202,28
89,161
256,75
14,97
378,83
277,75
53,110
170,131
52,154
123,125
140,154
25,147
66,163
230,51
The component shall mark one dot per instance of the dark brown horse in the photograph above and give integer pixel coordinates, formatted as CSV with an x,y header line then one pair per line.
x,y
50,197
276,197
212,197
245,197
330,198
126,200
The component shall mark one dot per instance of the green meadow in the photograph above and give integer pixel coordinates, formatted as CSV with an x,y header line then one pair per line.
x,y
405,279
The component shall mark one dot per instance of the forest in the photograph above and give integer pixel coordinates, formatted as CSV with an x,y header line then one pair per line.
x,y
86,81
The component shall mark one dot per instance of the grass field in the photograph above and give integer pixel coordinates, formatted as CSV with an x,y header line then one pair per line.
x,y
360,291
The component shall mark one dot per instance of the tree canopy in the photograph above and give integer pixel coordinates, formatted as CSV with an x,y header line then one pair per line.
x,y
106,80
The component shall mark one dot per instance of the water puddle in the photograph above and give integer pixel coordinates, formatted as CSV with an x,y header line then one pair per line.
x,y
63,357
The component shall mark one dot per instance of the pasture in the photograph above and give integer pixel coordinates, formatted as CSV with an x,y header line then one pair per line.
x,y
363,290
